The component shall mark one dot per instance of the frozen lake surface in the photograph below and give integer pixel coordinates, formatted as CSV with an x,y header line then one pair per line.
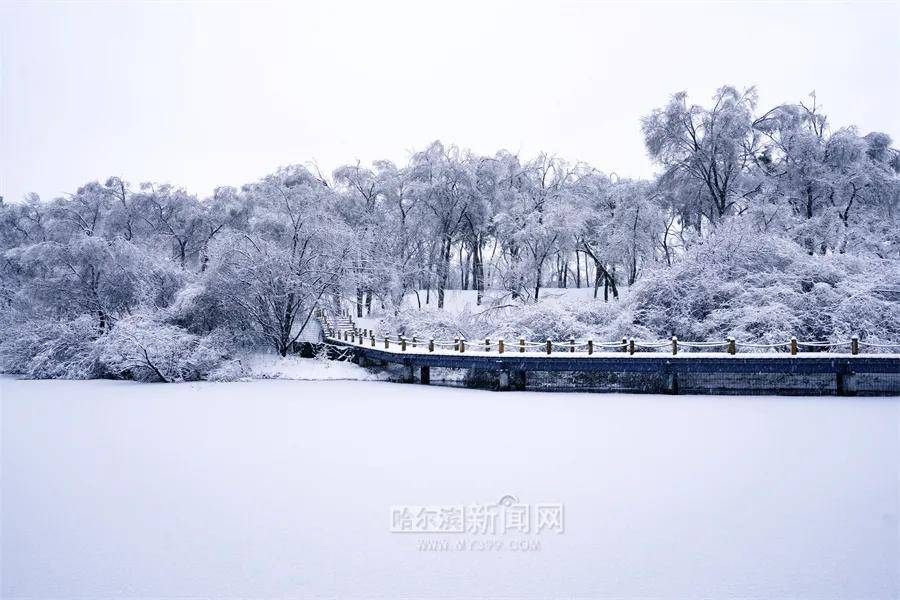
x,y
285,489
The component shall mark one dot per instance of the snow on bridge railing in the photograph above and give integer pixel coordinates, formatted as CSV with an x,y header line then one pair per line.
x,y
550,347
365,337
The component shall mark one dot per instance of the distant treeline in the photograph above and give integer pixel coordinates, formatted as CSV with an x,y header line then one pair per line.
x,y
96,282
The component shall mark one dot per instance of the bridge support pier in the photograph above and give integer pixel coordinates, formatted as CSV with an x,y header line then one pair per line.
x,y
672,383
518,380
425,375
503,385
845,383
850,384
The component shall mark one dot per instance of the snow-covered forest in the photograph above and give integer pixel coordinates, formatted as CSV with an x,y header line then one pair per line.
x,y
762,223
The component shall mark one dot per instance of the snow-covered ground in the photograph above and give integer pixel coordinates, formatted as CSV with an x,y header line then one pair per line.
x,y
458,301
285,489
273,366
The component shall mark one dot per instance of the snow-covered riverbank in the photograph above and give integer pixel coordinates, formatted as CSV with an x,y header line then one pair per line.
x,y
272,366
285,488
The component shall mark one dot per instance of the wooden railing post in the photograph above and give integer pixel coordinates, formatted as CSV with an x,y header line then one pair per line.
x,y
631,346
732,346
590,346
403,344
487,344
462,344
500,344
674,345
387,342
549,346
521,344
571,344
624,345
431,345
793,346
373,340
414,340
854,345
456,344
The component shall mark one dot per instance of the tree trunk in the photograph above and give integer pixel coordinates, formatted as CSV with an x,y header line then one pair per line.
x,y
467,269
632,273
478,271
577,269
443,270
463,272
204,256
810,245
587,271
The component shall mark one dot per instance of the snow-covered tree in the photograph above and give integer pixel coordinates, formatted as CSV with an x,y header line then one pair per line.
x,y
759,225
711,147
290,259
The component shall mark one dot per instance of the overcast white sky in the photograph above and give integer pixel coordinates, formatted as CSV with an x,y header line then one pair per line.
x,y
202,95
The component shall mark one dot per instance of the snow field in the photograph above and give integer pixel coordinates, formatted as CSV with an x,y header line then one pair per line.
x,y
283,489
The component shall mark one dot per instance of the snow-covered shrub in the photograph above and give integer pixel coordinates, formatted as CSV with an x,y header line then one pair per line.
x,y
434,323
553,320
767,324
766,289
229,370
146,350
872,314
201,310
51,349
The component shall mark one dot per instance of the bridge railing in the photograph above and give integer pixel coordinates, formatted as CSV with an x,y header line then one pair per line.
x,y
416,344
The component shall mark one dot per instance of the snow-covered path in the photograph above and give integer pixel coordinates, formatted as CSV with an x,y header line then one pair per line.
x,y
285,488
